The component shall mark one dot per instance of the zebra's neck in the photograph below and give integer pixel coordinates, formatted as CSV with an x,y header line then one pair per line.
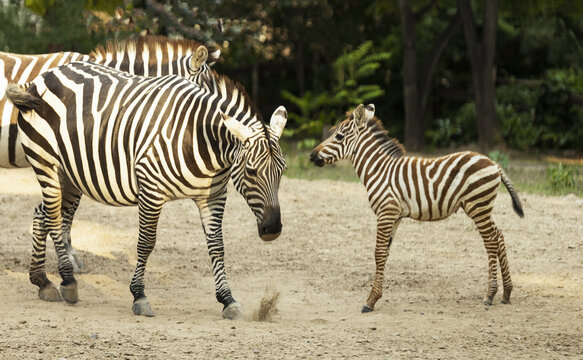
x,y
372,148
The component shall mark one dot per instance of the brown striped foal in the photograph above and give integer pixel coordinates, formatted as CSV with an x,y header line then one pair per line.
x,y
402,186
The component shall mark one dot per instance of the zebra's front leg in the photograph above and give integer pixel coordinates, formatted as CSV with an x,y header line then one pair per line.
x,y
149,213
211,214
386,228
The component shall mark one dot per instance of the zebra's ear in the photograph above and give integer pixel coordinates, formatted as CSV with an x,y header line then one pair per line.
x,y
362,114
214,57
199,57
240,131
278,121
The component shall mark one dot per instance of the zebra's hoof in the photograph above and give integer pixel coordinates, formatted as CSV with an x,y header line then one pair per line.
x,y
505,301
233,312
142,307
487,302
69,293
366,309
49,293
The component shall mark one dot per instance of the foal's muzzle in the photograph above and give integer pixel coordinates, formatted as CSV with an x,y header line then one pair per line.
x,y
316,159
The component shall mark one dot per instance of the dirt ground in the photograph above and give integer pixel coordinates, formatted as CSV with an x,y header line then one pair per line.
x,y
322,266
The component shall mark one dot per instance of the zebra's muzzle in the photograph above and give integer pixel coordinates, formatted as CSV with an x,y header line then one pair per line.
x,y
316,159
270,226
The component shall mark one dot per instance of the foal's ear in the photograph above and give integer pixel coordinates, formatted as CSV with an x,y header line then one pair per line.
x,y
199,57
240,131
362,114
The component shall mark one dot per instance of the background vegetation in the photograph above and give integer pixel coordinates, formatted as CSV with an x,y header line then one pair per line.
x,y
431,67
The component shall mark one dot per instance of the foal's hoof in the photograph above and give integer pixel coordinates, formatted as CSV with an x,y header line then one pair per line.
x,y
366,309
233,311
50,293
505,301
70,293
142,307
487,302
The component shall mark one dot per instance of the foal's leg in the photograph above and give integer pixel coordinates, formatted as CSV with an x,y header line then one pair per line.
x,y
488,232
503,260
386,227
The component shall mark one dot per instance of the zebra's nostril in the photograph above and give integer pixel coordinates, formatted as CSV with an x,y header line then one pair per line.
x,y
314,156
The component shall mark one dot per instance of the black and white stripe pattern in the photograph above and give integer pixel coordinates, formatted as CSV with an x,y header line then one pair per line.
x,y
128,140
401,186
148,56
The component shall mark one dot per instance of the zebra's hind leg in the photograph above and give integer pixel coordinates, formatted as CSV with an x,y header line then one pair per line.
x,y
149,213
37,273
504,268
68,213
386,228
488,232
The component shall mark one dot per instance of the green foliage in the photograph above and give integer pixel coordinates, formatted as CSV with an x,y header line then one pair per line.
x,y
543,113
326,107
454,131
499,157
561,176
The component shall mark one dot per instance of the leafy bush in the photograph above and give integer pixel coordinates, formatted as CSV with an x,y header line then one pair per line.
x,y
326,107
457,130
499,157
561,176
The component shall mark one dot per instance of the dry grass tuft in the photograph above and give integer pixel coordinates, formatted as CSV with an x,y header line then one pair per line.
x,y
267,307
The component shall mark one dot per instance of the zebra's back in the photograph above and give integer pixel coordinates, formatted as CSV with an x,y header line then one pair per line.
x,y
104,127
433,189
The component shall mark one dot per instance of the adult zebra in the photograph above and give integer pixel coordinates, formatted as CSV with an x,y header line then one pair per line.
x,y
128,140
145,55
401,186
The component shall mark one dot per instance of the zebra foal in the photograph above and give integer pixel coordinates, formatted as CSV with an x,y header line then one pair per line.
x,y
128,140
400,186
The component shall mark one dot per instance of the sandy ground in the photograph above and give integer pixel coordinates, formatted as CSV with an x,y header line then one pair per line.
x,y
322,265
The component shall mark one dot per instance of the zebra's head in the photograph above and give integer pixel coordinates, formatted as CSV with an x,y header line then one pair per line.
x,y
342,143
257,170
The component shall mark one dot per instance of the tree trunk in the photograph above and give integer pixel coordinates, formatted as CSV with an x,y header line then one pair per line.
x,y
481,52
414,124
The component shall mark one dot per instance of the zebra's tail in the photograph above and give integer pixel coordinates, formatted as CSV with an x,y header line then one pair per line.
x,y
21,98
516,205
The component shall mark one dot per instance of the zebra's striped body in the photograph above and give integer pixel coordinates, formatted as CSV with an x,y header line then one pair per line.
x,y
128,140
148,56
400,186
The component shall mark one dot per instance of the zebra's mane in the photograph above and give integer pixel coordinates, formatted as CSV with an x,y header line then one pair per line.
x,y
228,87
391,145
136,45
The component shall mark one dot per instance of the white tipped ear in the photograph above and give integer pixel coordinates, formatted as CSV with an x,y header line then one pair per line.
x,y
239,130
199,57
214,57
278,121
358,114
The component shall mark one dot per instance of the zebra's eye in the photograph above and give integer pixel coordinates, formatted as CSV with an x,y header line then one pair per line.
x,y
339,137
251,172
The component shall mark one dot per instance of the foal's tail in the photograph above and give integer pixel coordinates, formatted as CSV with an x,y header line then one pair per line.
x,y
21,98
515,199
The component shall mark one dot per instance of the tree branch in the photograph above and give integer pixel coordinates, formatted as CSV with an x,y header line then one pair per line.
x,y
169,18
